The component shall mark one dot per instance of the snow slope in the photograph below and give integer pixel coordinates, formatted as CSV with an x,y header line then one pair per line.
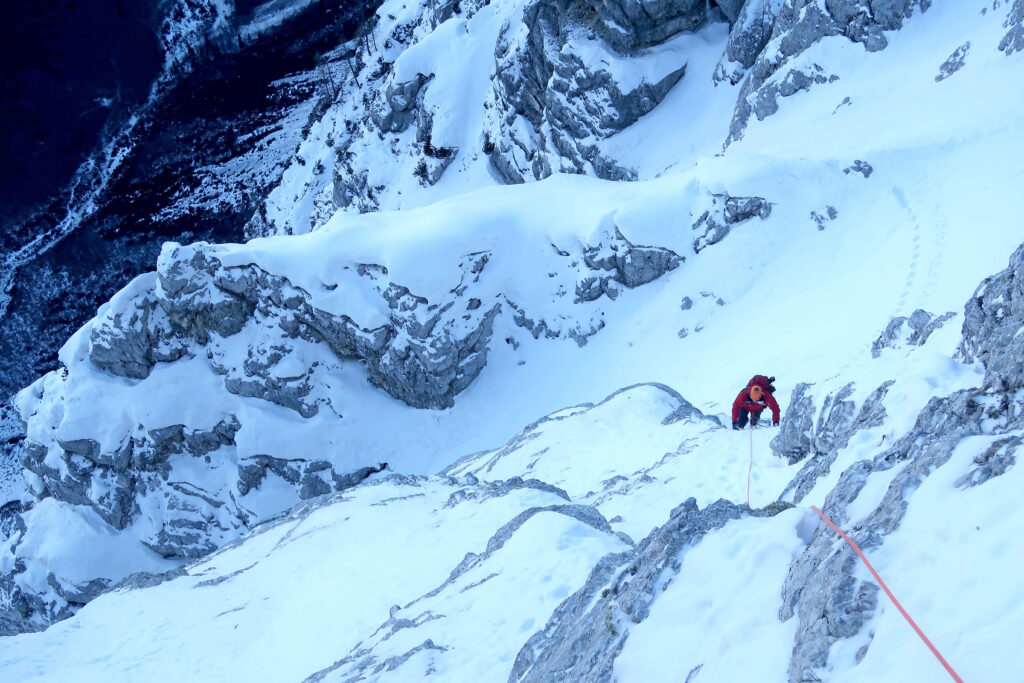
x,y
890,191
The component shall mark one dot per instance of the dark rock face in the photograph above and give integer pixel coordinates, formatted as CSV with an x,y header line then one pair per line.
x,y
197,297
819,442
628,25
992,318
629,265
398,109
751,31
425,354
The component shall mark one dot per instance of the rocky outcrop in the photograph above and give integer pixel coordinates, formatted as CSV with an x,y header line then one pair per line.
x,y
425,355
182,481
909,331
179,490
628,25
778,71
397,110
106,481
992,321
588,630
953,63
1013,41
552,101
726,212
170,488
800,437
751,30
627,265
823,587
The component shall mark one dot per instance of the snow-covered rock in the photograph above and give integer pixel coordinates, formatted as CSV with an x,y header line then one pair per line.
x,y
912,330
1013,41
783,66
158,422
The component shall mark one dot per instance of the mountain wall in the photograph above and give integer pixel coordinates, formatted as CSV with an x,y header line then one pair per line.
x,y
553,514
465,215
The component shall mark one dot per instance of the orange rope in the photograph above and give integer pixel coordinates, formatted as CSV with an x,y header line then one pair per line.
x,y
887,592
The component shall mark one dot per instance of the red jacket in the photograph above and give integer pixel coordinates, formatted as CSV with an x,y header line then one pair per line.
x,y
743,400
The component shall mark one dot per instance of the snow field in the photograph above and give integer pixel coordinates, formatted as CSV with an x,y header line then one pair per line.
x,y
300,593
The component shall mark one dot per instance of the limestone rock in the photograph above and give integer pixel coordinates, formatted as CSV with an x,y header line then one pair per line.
x,y
714,224
819,442
822,586
992,318
1013,41
954,63
751,30
397,111
778,72
911,331
627,264
550,103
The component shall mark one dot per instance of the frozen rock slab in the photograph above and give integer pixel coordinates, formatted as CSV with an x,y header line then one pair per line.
x,y
751,30
819,441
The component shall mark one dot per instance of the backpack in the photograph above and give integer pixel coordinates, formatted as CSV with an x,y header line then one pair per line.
x,y
766,383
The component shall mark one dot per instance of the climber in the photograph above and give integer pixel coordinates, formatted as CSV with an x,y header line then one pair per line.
x,y
754,398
